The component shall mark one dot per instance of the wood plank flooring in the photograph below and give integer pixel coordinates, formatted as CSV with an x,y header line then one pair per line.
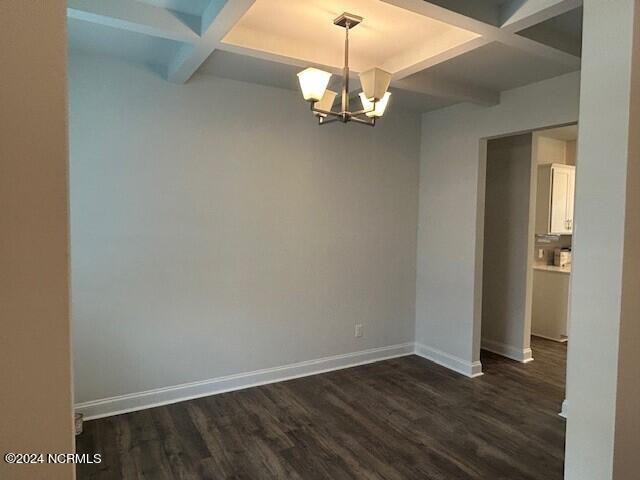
x,y
405,418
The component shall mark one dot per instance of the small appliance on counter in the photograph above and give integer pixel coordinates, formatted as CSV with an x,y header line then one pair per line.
x,y
562,257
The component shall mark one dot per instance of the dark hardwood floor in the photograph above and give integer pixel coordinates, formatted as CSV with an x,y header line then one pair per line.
x,y
405,418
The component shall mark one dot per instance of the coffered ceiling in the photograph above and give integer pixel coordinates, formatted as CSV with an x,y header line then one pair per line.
x,y
440,52
390,37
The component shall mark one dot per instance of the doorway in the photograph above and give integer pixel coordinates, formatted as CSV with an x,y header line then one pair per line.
x,y
527,239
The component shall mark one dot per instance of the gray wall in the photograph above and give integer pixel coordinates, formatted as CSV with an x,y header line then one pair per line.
x,y
35,360
508,234
449,282
216,229
603,384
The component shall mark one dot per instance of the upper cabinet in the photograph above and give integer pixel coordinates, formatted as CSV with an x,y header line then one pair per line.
x,y
555,199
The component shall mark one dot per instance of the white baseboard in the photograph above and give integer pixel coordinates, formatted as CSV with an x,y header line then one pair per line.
x,y
565,407
561,339
162,396
519,355
451,362
132,402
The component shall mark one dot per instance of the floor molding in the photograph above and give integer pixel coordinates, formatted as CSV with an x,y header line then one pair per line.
x,y
560,340
162,396
563,411
469,369
519,355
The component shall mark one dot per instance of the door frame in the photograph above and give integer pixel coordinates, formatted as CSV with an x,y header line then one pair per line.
x,y
479,257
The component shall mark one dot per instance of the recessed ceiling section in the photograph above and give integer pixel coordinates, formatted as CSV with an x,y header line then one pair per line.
x,y
303,31
563,32
495,67
487,11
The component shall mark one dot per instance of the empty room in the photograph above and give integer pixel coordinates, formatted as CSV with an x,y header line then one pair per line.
x,y
320,239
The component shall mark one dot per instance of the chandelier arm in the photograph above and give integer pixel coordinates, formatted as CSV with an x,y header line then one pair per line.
x,y
364,112
361,117
326,112
324,121
370,123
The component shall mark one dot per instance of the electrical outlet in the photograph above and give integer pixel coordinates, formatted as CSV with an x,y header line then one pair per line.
x,y
358,330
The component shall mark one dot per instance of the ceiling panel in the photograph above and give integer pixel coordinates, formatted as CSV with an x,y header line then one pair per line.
x,y
488,11
563,32
496,67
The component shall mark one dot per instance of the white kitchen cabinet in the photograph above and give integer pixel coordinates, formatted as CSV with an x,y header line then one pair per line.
x,y
555,199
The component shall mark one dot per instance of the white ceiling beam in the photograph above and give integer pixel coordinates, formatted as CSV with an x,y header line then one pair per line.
x,y
276,58
133,16
436,12
486,11
436,59
418,84
521,14
217,20
442,88
490,33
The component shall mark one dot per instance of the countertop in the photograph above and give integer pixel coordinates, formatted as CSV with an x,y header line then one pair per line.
x,y
553,268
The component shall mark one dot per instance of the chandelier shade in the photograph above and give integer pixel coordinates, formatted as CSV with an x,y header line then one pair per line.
x,y
313,83
374,109
326,103
375,83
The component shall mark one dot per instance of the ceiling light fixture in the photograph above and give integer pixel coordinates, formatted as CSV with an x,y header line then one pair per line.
x,y
375,82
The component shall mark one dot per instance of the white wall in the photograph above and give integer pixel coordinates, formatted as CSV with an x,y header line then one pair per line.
x,y
508,237
603,384
216,229
449,283
35,360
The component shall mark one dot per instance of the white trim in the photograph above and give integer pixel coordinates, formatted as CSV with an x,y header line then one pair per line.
x,y
559,340
451,362
132,402
162,396
564,409
524,355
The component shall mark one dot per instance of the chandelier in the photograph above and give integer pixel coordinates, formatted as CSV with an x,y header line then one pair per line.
x,y
375,82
